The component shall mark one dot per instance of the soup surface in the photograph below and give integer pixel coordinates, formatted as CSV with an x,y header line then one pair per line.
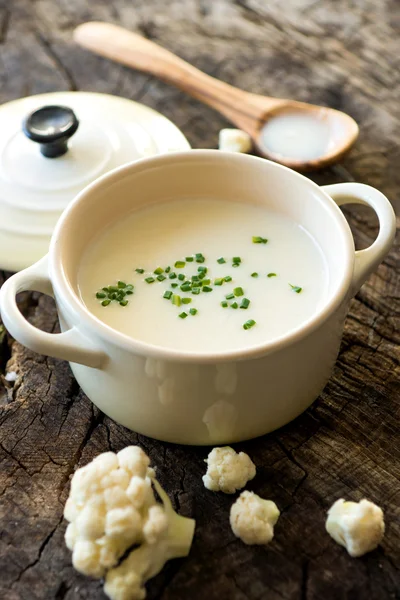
x,y
179,257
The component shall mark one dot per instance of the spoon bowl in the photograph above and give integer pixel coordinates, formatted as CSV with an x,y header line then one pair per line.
x,y
296,134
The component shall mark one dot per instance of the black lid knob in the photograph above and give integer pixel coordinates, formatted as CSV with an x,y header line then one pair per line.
x,y
51,127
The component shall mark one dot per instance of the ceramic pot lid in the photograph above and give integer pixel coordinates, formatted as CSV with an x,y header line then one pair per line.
x,y
52,146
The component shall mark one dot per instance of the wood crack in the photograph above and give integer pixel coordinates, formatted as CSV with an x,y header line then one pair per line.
x,y
57,62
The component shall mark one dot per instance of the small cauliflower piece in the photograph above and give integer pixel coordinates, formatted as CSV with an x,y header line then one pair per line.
x,y
112,507
234,140
228,471
252,518
358,526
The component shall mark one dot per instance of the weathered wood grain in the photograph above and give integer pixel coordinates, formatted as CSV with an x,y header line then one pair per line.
x,y
344,54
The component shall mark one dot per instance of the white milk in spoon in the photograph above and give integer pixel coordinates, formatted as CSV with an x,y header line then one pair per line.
x,y
162,234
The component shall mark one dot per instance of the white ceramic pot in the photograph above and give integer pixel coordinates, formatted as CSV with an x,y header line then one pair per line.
x,y
180,397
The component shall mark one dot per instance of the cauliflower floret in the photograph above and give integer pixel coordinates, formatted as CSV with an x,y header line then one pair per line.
x,y
234,140
358,526
111,507
252,518
228,471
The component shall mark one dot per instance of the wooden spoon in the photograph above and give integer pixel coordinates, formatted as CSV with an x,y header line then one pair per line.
x,y
250,112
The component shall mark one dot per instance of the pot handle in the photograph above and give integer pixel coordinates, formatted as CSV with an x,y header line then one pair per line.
x,y
70,345
368,259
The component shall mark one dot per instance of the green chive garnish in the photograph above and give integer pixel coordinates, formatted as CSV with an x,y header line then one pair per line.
x,y
296,288
167,294
218,281
106,302
161,277
129,292
238,291
228,278
140,271
207,288
230,296
195,277
202,275
186,287
182,315
181,277
202,269
121,284
172,275
100,295
245,303
179,264
167,270
199,258
221,260
196,284
189,259
206,282
254,274
193,311
123,302
186,300
271,275
236,259
176,300
234,305
149,279
224,304
250,323
174,285
259,240
158,271
196,291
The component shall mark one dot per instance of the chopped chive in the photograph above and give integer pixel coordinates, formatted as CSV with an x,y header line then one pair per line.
x,y
100,295
195,277
179,264
193,311
224,304
202,269
105,289
158,271
113,288
205,282
235,264
250,323
123,302
189,259
196,284
182,315
181,277
271,275
167,294
172,275
186,300
221,260
149,279
199,258
230,296
296,288
121,284
106,302
113,296
234,305
129,292
129,287
140,271
236,259
245,303
174,285
228,278
218,281
176,300
161,277
207,288
259,240
238,291
167,270
254,274
202,275
196,291
186,287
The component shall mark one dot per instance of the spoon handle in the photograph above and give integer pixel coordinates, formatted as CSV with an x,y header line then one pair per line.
x,y
135,51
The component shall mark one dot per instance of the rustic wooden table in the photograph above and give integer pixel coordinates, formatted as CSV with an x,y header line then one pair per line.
x,y
342,54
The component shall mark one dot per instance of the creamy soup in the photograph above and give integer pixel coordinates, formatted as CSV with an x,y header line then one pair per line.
x,y
204,275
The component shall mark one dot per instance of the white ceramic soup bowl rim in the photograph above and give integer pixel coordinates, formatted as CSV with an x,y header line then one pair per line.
x,y
64,290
